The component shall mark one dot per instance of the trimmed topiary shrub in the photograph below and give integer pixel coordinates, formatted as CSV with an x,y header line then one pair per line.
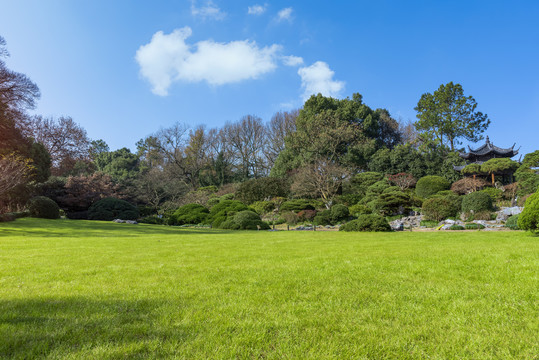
x,y
323,218
477,202
391,203
359,209
245,220
111,208
499,165
297,205
369,222
44,208
262,189
339,213
430,185
512,222
529,217
189,214
152,219
472,169
456,227
473,226
222,211
494,193
263,207
441,207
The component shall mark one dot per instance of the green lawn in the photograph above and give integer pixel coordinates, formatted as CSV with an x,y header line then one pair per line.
x,y
80,289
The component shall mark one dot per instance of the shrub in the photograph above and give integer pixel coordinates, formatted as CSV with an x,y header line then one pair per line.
x,y
456,227
263,207
474,226
441,207
370,222
262,189
527,174
7,217
339,213
498,165
472,169
362,181
306,215
290,217
476,202
494,193
323,218
110,208
152,219
43,207
512,222
189,214
245,220
468,185
392,202
402,180
222,211
529,217
430,185
359,209
297,205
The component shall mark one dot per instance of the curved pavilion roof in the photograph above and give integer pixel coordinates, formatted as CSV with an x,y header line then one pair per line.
x,y
488,150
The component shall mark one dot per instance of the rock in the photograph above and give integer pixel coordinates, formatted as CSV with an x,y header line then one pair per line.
x,y
132,222
118,221
504,214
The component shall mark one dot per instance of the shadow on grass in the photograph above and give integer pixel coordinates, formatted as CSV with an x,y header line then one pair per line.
x,y
37,328
86,228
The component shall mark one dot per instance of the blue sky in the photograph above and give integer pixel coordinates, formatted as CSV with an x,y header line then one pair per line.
x,y
123,69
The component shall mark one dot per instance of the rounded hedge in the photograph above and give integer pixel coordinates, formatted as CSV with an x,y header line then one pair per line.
x,y
223,211
529,217
477,202
323,218
472,169
189,214
246,220
512,222
430,185
111,208
44,208
369,222
440,208
339,212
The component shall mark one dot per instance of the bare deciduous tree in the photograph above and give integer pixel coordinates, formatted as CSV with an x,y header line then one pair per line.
x,y
13,172
280,126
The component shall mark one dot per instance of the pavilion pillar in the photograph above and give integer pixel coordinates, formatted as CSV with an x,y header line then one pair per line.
x,y
492,178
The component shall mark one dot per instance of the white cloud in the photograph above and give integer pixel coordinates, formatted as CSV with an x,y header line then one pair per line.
x,y
292,60
256,9
285,14
168,58
318,78
208,11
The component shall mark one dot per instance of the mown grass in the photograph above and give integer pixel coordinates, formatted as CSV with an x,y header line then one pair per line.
x,y
78,289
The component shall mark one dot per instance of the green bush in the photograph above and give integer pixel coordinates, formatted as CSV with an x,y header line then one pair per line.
x,y
191,214
290,217
110,208
245,220
362,181
391,203
370,222
43,207
494,193
262,189
223,211
339,213
512,222
472,169
359,209
499,165
456,227
297,205
478,201
473,226
152,219
527,175
323,218
439,208
263,207
7,217
529,217
430,185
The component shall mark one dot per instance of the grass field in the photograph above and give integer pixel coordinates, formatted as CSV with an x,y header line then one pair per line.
x,y
80,289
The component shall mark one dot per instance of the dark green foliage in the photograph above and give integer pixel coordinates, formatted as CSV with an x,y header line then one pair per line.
x,y
456,227
512,222
43,207
472,169
527,174
370,222
120,164
153,219
430,185
391,201
401,159
339,213
360,183
262,189
359,209
7,217
473,226
529,218
189,214
223,211
494,193
439,208
429,223
323,218
111,208
245,220
477,202
297,205
41,162
499,165
263,207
